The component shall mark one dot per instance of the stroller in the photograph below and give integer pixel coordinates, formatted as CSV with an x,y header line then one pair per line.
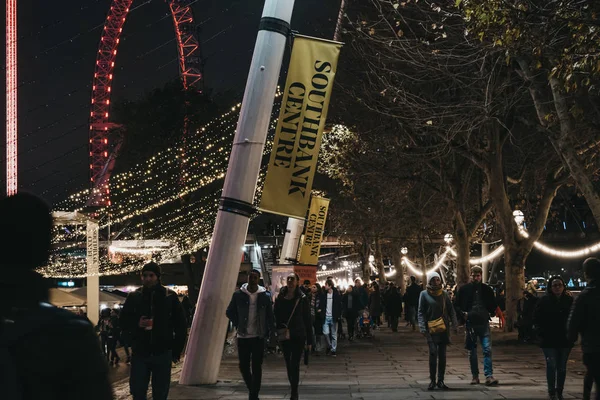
x,y
364,325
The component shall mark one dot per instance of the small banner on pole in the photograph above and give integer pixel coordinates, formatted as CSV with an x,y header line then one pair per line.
x,y
315,225
300,127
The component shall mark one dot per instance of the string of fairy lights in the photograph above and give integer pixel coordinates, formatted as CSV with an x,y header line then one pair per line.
x,y
142,197
148,199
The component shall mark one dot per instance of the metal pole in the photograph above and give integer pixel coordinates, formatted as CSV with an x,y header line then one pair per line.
x,y
205,345
289,249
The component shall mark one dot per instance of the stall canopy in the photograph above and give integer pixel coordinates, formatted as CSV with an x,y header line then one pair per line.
x,y
78,297
61,298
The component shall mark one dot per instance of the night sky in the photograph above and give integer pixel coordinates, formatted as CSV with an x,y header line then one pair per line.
x,y
57,49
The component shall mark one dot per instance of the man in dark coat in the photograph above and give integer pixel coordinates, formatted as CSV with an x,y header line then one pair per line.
x,y
411,301
154,317
251,312
475,304
584,320
48,353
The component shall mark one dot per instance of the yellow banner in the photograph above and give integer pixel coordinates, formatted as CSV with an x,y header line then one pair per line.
x,y
300,127
315,225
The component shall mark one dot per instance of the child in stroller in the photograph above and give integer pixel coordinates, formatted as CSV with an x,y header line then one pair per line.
x,y
365,323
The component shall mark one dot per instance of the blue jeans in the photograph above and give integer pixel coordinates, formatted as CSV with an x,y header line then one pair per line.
x,y
157,365
483,334
556,368
330,326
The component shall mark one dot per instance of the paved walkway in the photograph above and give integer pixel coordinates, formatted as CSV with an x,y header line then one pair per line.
x,y
390,366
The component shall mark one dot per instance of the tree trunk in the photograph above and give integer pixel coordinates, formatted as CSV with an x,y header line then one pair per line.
x,y
582,178
514,259
379,260
423,258
397,260
463,250
365,253
566,147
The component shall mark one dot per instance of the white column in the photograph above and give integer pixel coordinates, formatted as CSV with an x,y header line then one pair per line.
x,y
289,249
205,345
93,266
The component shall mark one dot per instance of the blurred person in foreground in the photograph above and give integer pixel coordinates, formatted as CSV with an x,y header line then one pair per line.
x,y
584,320
47,353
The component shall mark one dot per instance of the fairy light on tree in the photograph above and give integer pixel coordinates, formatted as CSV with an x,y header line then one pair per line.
x,y
11,97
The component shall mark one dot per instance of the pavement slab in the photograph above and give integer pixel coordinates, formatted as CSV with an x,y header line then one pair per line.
x,y
389,366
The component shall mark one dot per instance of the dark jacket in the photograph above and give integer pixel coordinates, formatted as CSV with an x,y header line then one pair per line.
x,y
432,308
585,319
393,302
169,323
238,309
336,311
550,318
59,358
351,311
411,297
466,296
300,325
375,303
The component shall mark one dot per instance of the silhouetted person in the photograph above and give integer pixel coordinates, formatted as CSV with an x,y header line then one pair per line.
x,y
51,353
584,320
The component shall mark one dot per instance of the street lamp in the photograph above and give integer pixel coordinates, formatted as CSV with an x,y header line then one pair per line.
x,y
404,250
519,217
448,238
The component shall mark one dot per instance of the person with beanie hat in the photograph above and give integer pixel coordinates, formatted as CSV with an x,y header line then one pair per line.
x,y
46,352
475,304
154,320
436,315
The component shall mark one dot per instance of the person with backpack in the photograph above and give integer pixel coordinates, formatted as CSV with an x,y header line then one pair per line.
x,y
155,320
45,352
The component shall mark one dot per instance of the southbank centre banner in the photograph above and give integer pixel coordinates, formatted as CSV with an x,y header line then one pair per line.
x,y
300,126
315,226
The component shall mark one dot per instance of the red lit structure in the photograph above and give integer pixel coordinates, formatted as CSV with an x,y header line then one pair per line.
x,y
11,97
190,62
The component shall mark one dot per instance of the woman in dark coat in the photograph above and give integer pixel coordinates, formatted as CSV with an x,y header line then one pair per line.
x,y
550,318
434,303
292,311
393,306
375,304
351,305
318,318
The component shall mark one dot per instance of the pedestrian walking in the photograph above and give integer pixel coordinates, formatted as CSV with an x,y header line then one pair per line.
x,y
155,320
351,305
46,352
331,301
584,320
318,318
393,306
411,301
475,304
436,317
294,332
251,312
375,308
550,319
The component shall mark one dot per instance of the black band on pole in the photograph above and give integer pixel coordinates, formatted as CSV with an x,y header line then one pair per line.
x,y
235,206
274,25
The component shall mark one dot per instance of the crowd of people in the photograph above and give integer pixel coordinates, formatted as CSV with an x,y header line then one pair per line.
x,y
54,354
307,319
